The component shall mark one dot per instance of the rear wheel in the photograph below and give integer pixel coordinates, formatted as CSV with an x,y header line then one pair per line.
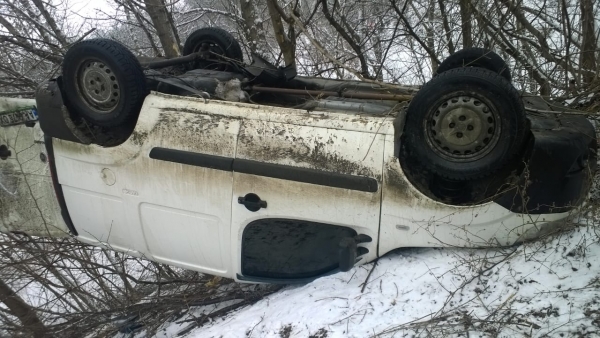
x,y
216,42
465,124
103,81
476,57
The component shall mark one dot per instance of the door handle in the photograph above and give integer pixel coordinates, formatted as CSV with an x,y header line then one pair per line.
x,y
4,152
252,202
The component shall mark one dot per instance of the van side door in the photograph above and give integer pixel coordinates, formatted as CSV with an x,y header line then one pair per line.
x,y
302,183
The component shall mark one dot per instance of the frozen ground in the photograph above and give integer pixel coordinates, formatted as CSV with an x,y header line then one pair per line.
x,y
547,288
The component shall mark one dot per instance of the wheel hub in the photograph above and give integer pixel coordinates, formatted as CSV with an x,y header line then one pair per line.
x,y
209,46
211,51
463,129
98,86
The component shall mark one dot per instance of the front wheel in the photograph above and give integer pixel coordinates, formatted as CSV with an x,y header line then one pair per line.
x,y
103,82
466,123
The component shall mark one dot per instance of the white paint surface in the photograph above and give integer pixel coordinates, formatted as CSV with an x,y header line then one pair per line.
x,y
189,216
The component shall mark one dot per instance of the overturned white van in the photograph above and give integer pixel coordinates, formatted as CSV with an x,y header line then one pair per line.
x,y
253,173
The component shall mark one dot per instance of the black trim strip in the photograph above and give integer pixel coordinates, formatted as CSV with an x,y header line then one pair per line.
x,y
284,172
306,175
192,158
57,187
283,280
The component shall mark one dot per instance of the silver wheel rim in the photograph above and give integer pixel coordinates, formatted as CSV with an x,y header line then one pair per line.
x,y
98,86
463,129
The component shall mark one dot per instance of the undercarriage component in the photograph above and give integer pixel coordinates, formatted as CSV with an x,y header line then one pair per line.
x,y
162,63
225,86
214,45
321,93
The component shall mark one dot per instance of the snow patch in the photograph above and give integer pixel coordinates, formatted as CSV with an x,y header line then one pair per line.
x,y
549,287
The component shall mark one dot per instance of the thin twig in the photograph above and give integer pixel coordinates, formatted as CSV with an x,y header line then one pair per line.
x,y
364,285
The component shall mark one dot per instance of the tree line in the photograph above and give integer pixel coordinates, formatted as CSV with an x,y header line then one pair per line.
x,y
551,45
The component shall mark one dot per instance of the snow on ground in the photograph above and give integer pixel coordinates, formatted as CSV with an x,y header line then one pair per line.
x,y
546,288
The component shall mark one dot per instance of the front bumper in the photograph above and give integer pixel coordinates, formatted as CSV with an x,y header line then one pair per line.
x,y
561,164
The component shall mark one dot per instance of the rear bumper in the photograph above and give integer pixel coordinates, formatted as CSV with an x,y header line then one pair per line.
x,y
53,115
58,122
559,170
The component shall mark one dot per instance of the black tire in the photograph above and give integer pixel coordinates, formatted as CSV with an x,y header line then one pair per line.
x,y
465,124
476,57
221,42
119,91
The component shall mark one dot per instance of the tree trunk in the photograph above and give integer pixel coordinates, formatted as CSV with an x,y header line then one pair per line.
x,y
378,51
252,25
446,24
160,19
497,35
138,17
430,37
543,48
287,46
25,313
587,58
465,17
58,34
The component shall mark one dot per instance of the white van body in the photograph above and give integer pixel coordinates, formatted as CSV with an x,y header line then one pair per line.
x,y
190,216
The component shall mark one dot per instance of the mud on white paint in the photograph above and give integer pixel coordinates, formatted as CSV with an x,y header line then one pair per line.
x,y
189,216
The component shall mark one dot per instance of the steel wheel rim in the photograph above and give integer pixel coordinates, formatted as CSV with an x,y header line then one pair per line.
x,y
98,86
463,129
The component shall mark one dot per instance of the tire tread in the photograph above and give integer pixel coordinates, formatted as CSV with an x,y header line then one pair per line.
x,y
521,122
493,61
133,80
233,49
